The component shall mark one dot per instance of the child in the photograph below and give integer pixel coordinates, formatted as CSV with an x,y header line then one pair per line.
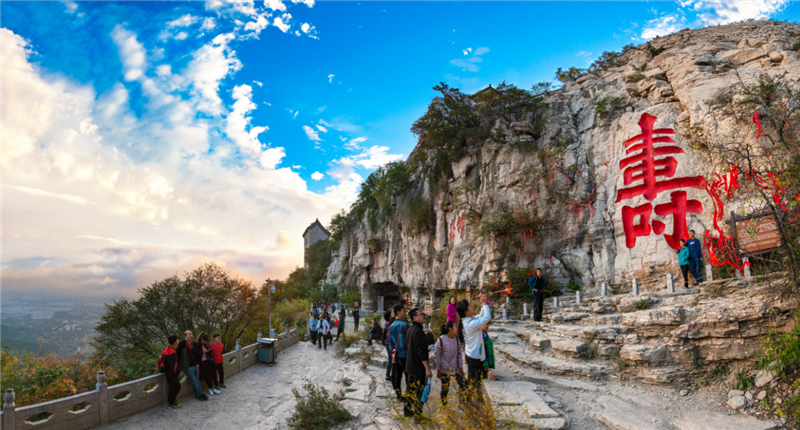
x,y
219,364
169,367
207,364
488,346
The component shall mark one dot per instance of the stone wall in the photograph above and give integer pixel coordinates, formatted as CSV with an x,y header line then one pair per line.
x,y
108,404
586,245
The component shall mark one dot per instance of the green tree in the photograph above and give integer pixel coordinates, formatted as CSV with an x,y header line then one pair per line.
x,y
569,75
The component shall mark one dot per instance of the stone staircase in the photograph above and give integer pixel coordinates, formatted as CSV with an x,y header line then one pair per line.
x,y
660,337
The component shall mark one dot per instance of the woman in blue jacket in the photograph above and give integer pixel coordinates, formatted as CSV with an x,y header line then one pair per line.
x,y
683,261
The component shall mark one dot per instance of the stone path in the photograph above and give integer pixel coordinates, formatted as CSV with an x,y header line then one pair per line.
x,y
261,398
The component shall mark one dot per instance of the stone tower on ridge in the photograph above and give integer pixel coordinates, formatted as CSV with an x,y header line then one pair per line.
x,y
313,234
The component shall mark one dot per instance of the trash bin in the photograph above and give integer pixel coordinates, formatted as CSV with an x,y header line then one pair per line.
x,y
266,350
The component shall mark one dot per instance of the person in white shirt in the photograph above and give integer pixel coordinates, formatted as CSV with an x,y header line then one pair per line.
x,y
470,334
324,332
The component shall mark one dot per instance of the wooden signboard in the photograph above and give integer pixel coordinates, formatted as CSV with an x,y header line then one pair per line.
x,y
757,234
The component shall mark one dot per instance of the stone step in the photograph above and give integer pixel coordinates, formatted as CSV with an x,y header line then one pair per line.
x,y
705,420
526,356
521,406
622,415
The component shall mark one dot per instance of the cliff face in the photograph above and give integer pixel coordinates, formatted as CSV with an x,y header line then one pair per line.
x,y
583,237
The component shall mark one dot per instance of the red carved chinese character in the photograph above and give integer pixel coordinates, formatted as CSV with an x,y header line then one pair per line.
x,y
678,208
632,231
644,167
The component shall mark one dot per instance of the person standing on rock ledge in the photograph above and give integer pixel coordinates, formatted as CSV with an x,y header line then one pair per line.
x,y
471,335
537,289
695,257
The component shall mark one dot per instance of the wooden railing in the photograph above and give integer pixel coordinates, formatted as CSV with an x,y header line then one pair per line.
x,y
107,404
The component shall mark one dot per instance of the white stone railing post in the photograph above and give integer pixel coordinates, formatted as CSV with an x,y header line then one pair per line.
x,y
505,313
709,273
259,336
604,289
525,309
9,412
555,302
102,397
635,287
746,267
508,299
577,297
238,347
738,274
670,283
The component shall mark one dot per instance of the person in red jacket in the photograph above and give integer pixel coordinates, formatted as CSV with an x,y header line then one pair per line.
x,y
219,364
169,367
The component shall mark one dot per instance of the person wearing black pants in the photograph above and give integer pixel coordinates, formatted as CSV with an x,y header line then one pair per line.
x,y
417,368
537,289
683,261
471,335
356,316
397,344
342,315
169,367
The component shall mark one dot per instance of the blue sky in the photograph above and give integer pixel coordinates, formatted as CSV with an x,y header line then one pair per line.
x,y
144,138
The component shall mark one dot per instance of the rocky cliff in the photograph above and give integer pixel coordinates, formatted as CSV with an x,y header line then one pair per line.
x,y
583,237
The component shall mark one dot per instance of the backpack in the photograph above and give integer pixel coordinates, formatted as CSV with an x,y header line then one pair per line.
x,y
160,364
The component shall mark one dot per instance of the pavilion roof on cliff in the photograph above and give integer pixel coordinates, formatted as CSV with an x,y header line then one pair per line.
x,y
316,223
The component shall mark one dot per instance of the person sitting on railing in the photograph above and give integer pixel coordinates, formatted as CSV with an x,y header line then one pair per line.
x,y
168,365
189,361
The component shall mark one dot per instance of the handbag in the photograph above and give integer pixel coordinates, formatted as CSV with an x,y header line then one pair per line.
x,y
426,391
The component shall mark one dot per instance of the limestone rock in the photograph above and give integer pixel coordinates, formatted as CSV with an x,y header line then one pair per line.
x,y
737,402
656,73
648,353
761,395
764,377
776,57
744,56
705,420
734,393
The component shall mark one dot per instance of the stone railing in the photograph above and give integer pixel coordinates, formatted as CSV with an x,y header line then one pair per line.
x,y
107,404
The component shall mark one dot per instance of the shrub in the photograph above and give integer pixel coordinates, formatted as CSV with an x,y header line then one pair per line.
x,y
509,224
619,361
607,60
420,215
519,276
347,340
374,244
393,181
642,304
653,51
606,106
586,352
569,75
744,382
317,409
783,349
574,286
636,77
462,411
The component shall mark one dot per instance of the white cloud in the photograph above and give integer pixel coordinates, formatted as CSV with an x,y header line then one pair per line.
x,y
245,7
282,22
321,128
259,24
131,52
309,3
724,12
583,54
470,64
375,157
312,134
210,65
317,176
275,5
349,181
663,26
113,200
182,35
208,23
353,143
467,51
71,6
238,121
183,21
330,78
306,27
260,84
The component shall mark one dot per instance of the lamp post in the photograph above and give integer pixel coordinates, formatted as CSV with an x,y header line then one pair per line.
x,y
269,303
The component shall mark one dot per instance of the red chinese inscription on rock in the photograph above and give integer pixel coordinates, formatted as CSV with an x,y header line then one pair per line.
x,y
652,176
